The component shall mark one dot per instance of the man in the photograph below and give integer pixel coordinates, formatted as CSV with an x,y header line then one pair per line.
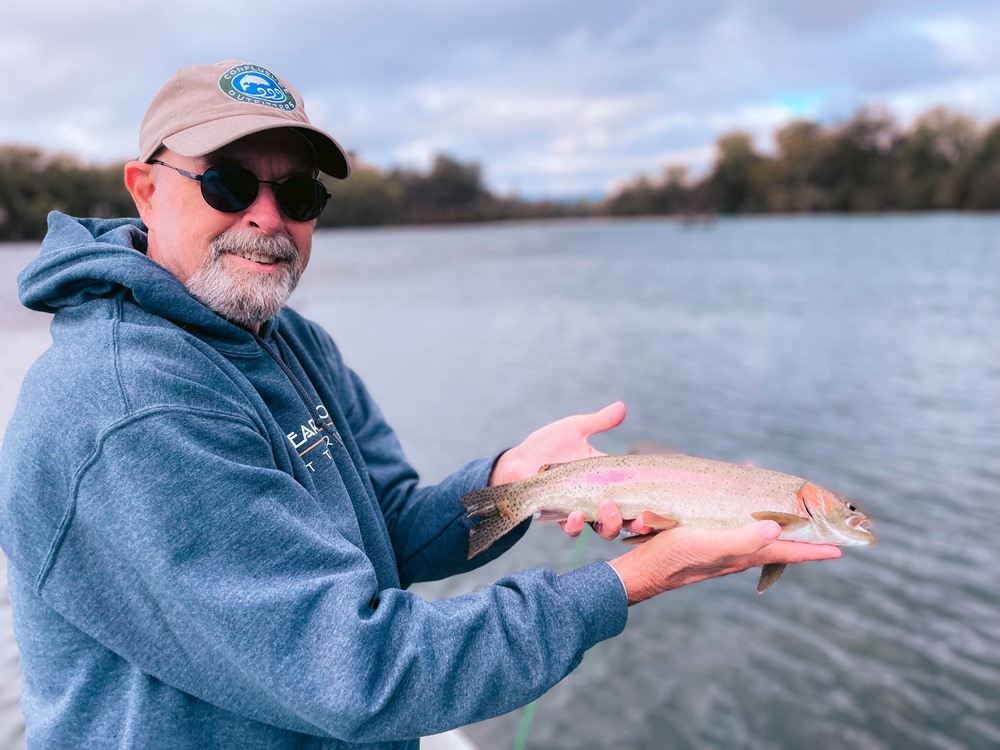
x,y
210,526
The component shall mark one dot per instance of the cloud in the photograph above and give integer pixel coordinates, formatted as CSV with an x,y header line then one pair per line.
x,y
551,98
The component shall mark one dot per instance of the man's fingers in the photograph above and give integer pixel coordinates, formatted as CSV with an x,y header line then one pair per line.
x,y
607,418
796,552
763,542
573,525
637,526
737,549
609,523
758,544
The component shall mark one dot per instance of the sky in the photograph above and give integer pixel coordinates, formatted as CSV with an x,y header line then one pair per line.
x,y
552,98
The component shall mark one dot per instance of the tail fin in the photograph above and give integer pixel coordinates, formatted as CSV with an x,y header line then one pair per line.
x,y
491,515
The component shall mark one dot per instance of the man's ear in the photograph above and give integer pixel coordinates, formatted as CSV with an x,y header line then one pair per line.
x,y
140,185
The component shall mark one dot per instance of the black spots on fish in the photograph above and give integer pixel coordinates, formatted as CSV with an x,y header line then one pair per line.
x,y
548,467
491,515
506,510
485,532
483,502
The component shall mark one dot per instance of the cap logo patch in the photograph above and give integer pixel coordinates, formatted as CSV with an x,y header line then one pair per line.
x,y
256,85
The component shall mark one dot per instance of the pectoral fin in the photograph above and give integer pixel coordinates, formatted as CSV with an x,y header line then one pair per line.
x,y
548,514
787,521
657,521
769,575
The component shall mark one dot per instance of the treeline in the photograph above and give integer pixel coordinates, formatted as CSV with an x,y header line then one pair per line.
x,y
943,161
32,183
450,191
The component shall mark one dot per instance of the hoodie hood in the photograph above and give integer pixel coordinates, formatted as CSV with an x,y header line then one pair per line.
x,y
88,259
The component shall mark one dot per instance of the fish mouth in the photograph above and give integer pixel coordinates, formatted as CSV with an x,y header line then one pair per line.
x,y
860,523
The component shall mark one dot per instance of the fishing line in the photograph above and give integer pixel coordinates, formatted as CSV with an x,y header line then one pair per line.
x,y
524,729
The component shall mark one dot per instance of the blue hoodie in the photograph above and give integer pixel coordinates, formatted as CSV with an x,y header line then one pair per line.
x,y
210,535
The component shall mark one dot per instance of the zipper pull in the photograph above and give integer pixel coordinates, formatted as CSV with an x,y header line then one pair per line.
x,y
326,424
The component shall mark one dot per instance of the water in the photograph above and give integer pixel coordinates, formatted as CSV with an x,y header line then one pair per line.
x,y
859,352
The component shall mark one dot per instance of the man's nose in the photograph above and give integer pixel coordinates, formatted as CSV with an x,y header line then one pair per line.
x,y
264,213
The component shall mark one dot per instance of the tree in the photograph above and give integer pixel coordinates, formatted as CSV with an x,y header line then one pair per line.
x,y
735,177
452,191
801,176
367,198
861,156
929,157
979,179
32,183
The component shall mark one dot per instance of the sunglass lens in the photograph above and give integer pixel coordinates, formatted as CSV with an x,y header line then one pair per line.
x,y
302,198
229,188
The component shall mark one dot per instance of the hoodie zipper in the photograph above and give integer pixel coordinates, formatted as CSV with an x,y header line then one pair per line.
x,y
324,423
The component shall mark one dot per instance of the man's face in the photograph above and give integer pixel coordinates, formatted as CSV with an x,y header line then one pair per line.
x,y
241,265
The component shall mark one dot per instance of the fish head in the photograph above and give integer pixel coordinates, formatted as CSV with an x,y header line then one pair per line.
x,y
836,520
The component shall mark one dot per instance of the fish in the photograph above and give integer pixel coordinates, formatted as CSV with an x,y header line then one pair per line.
x,y
249,80
670,491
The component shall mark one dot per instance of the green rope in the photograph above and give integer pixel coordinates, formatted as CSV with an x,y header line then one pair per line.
x,y
521,739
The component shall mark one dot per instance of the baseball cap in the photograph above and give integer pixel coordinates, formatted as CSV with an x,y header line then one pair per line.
x,y
202,108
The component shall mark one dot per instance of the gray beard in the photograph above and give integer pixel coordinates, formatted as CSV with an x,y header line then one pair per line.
x,y
247,299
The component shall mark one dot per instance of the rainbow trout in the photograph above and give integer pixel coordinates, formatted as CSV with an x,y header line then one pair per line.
x,y
670,491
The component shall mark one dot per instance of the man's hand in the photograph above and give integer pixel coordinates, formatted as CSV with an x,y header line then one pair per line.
x,y
684,555
609,522
565,440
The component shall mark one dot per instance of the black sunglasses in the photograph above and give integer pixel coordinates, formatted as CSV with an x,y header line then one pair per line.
x,y
231,188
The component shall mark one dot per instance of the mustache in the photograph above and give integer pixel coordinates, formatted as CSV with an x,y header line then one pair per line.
x,y
243,241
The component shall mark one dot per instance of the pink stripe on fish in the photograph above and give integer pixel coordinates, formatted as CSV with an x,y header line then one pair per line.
x,y
611,476
615,476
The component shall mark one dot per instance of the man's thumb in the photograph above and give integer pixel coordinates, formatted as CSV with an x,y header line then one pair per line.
x,y
610,416
768,531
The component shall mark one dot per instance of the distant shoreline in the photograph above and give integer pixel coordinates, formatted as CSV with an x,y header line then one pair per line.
x,y
698,220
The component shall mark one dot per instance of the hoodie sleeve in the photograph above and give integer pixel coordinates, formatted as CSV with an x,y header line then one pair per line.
x,y
244,593
427,526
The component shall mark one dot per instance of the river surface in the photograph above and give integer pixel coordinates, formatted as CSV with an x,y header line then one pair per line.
x,y
862,353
